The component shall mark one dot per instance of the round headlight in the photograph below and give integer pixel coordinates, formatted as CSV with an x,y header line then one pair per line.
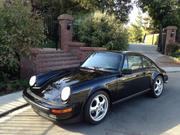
x,y
65,93
32,80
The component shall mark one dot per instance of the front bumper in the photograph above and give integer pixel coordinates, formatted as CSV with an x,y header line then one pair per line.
x,y
45,109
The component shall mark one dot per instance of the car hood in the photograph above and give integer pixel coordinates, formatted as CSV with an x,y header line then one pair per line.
x,y
67,77
58,80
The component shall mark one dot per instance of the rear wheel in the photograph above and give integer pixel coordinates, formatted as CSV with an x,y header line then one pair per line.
x,y
158,87
97,107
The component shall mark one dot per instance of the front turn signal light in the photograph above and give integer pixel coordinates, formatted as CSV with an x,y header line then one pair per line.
x,y
59,111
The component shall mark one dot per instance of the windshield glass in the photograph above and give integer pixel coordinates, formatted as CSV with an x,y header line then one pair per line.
x,y
103,61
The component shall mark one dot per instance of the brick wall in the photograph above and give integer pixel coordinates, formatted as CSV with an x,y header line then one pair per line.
x,y
81,51
47,59
44,60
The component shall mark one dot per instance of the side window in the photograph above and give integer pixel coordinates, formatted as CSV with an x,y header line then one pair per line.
x,y
146,63
134,62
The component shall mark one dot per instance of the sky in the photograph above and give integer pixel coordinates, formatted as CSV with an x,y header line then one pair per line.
x,y
134,13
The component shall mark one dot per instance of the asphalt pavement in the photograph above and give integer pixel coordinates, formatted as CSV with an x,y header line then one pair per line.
x,y
141,115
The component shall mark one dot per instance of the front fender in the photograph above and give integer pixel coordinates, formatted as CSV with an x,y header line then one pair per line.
x,y
155,74
100,88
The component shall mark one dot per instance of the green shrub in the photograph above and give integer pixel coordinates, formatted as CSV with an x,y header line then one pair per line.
x,y
19,31
12,86
49,44
101,30
173,50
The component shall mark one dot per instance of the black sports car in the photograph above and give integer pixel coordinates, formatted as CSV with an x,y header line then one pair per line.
x,y
88,91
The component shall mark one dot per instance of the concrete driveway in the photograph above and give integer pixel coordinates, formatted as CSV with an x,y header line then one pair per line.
x,y
142,115
163,61
149,50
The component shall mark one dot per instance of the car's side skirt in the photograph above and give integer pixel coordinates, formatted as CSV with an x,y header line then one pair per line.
x,y
131,96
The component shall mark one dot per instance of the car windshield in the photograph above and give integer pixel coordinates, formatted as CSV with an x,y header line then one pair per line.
x,y
103,61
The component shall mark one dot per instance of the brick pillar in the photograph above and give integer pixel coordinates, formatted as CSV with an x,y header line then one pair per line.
x,y
65,31
170,36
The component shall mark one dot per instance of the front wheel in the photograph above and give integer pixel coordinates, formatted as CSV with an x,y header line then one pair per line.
x,y
158,87
97,107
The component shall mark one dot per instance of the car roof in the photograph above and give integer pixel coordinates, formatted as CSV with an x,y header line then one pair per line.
x,y
124,52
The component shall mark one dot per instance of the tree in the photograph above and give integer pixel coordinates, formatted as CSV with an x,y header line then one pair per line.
x,y
51,9
135,33
119,8
163,12
101,30
19,31
137,30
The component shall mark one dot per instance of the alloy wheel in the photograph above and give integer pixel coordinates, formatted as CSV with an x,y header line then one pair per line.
x,y
158,86
98,107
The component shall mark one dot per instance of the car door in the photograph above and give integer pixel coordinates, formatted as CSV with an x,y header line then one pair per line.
x,y
135,82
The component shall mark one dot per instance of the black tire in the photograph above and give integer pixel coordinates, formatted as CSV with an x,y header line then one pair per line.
x,y
154,91
87,114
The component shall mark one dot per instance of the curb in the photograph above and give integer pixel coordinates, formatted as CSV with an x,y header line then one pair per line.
x,y
172,71
14,109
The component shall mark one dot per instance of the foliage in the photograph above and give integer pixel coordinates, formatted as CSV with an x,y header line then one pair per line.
x,y
135,33
163,12
11,86
119,8
174,50
49,43
19,31
101,30
137,30
51,9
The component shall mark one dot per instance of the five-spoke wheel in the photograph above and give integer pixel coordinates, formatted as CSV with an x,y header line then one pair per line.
x,y
97,107
158,86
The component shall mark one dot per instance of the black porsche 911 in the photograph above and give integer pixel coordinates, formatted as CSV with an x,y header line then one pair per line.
x,y
88,91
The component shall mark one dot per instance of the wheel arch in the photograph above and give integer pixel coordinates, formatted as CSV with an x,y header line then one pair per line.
x,y
94,90
156,74
101,89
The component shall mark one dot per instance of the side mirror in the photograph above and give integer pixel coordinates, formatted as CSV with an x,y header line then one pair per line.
x,y
126,71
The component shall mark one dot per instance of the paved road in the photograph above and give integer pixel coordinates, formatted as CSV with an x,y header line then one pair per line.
x,y
142,115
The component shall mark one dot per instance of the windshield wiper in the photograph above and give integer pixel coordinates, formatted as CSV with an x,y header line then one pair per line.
x,y
99,68
87,68
92,68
